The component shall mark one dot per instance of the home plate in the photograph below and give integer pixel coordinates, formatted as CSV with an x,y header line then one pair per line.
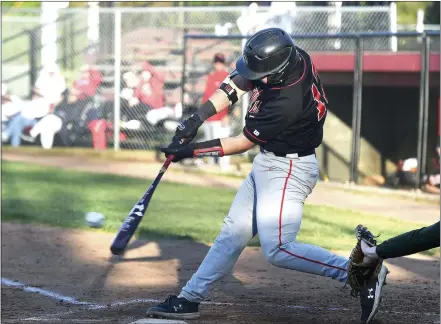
x,y
158,321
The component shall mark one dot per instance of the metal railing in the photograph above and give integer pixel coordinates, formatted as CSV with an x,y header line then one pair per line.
x,y
34,46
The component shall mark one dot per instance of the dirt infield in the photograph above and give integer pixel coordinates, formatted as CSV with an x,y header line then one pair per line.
x,y
77,264
52,275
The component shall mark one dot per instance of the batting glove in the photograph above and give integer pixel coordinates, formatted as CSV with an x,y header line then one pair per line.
x,y
180,152
187,129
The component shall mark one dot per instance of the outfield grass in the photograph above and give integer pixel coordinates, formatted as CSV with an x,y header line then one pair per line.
x,y
107,154
46,195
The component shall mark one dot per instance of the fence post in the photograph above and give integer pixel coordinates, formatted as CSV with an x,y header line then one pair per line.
x,y
71,42
426,104
65,39
393,26
356,109
184,67
423,117
425,65
32,59
117,81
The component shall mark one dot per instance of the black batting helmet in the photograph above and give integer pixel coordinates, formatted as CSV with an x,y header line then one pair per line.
x,y
267,53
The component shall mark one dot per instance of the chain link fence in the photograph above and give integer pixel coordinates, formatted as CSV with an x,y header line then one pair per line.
x,y
132,59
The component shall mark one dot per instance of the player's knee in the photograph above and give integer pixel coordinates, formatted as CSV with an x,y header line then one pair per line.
x,y
270,251
232,238
275,253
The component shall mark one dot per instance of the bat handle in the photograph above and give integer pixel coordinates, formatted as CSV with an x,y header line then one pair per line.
x,y
167,163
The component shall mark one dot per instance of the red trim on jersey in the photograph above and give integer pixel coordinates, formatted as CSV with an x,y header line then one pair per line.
x,y
303,75
281,203
257,139
210,149
280,227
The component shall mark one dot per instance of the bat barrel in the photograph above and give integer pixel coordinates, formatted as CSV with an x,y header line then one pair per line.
x,y
131,223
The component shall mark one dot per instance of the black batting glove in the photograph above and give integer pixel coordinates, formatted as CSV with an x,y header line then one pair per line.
x,y
187,129
180,152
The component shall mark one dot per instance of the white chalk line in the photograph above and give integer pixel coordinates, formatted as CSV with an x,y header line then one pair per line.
x,y
44,292
62,320
95,306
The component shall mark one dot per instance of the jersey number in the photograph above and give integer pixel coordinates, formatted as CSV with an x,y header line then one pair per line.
x,y
321,106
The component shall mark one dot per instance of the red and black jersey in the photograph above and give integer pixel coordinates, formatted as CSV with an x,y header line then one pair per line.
x,y
289,118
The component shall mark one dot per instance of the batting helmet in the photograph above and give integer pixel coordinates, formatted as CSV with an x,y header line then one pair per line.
x,y
267,53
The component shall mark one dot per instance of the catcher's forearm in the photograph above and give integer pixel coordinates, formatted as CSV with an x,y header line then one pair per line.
x,y
411,242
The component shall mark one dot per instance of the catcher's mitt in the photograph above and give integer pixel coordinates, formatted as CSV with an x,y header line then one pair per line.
x,y
358,273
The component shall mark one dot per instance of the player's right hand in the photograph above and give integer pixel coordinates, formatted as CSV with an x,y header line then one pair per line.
x,y
179,152
187,129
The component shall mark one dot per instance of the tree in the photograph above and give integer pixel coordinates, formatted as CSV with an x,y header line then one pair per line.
x,y
432,14
365,3
407,11
20,4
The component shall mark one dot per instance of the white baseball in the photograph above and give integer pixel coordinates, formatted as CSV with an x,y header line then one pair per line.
x,y
94,219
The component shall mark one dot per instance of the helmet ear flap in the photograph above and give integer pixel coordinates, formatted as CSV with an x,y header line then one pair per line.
x,y
283,74
277,77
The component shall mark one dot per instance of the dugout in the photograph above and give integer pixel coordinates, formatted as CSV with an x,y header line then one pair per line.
x,y
390,111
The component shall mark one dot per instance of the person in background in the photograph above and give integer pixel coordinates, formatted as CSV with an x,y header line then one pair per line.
x,y
11,106
141,94
47,93
31,112
150,90
51,84
82,93
217,126
432,181
132,108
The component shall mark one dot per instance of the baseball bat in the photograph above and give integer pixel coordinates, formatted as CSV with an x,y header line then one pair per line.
x,y
131,223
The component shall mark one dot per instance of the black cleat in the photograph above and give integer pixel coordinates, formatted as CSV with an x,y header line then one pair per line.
x,y
175,308
370,296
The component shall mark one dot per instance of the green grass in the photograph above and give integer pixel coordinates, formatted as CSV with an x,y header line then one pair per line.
x,y
46,195
107,154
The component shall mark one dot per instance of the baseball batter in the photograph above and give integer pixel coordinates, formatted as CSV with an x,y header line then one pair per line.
x,y
285,118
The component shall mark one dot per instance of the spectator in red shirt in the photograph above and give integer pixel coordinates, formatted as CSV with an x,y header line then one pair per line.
x,y
150,90
217,126
142,93
85,87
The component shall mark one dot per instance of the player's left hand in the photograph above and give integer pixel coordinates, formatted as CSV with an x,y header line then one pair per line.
x,y
180,152
187,129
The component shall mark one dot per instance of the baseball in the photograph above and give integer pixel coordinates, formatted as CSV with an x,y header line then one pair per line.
x,y
94,219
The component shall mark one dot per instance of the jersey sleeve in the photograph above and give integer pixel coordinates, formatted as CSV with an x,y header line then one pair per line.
x,y
273,116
